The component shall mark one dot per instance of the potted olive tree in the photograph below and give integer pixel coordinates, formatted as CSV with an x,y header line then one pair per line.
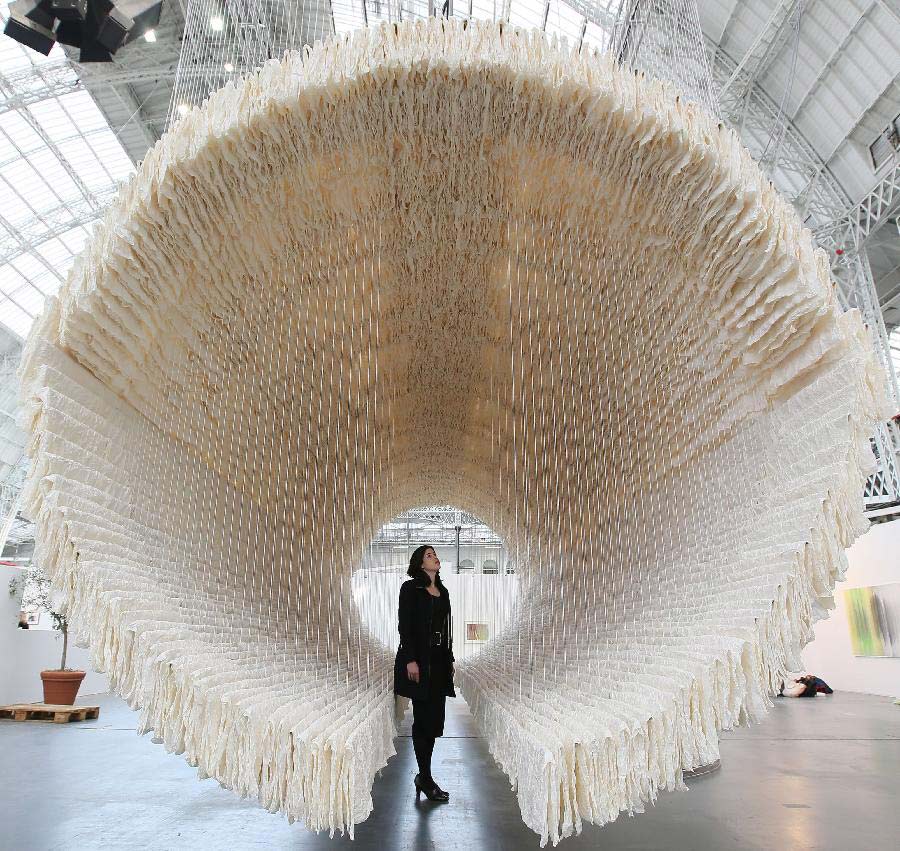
x,y
60,684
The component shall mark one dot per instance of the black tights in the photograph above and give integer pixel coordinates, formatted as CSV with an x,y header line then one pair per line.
x,y
428,724
424,747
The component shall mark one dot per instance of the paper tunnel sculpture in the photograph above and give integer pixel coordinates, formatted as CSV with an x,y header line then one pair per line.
x,y
445,264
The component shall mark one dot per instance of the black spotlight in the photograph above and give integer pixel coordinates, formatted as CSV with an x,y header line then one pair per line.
x,y
70,10
31,24
144,14
113,29
98,28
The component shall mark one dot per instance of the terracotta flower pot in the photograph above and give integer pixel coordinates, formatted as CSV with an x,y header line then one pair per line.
x,y
60,687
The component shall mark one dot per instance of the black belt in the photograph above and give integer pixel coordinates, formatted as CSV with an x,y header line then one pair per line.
x,y
437,638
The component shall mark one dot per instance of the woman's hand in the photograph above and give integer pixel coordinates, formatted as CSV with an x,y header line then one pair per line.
x,y
412,671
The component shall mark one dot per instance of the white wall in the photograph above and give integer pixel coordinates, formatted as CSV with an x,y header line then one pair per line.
x,y
874,560
475,598
24,653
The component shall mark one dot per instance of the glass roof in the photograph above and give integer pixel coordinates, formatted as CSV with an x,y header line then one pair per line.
x,y
554,16
60,163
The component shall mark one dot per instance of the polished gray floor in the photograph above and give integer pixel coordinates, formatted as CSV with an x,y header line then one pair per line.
x,y
817,774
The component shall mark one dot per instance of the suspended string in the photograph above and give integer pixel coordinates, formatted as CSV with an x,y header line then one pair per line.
x,y
226,39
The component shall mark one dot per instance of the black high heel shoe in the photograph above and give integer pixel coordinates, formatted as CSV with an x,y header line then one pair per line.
x,y
433,793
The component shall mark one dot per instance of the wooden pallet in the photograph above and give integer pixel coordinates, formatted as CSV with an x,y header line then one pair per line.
x,y
48,712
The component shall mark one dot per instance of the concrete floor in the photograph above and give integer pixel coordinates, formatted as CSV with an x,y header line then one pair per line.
x,y
817,774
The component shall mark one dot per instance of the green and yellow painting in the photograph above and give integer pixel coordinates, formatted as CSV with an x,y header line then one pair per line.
x,y
873,613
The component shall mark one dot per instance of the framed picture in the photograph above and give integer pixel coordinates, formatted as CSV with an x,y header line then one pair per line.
x,y
33,618
873,615
476,631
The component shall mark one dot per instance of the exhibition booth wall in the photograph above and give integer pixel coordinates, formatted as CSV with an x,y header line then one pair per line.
x,y
874,561
25,653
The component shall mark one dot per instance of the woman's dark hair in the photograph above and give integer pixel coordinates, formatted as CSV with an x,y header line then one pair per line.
x,y
416,559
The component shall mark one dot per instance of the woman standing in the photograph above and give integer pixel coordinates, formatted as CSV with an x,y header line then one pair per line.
x,y
423,669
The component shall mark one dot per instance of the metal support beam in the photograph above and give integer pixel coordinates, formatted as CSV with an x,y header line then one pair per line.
x,y
29,235
764,49
735,95
35,84
126,95
835,55
9,508
29,249
139,62
851,232
817,191
845,241
854,275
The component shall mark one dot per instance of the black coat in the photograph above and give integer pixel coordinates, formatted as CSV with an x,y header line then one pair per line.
x,y
414,624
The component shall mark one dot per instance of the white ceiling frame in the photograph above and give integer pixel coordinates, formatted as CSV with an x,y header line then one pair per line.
x,y
30,235
881,204
832,59
762,52
822,196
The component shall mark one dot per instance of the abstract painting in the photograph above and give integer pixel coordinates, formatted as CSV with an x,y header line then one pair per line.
x,y
873,613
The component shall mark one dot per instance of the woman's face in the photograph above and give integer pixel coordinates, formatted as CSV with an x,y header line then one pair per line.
x,y
430,561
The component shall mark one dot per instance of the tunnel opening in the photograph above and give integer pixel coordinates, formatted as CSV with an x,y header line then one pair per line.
x,y
476,567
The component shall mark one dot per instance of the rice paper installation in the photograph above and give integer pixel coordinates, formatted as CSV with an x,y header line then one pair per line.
x,y
437,264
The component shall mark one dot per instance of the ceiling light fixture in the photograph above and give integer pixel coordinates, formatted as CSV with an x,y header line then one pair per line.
x,y
98,28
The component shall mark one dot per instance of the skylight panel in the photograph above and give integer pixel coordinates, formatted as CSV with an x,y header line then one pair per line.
x,y
53,119
54,252
47,212
414,9
111,154
348,15
43,167
13,208
81,109
16,133
596,37
33,192
29,298
15,319
90,170
486,9
74,239
30,266
528,14
563,20
11,279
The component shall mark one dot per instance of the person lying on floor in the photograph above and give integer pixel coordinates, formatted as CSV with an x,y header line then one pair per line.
x,y
821,686
809,685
